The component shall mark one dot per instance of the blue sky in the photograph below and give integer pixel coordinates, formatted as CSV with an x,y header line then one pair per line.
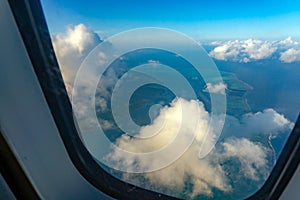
x,y
263,19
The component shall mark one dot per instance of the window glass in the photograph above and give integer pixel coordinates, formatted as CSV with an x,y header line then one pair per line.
x,y
194,99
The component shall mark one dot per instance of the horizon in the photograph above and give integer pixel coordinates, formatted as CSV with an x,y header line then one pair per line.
x,y
199,20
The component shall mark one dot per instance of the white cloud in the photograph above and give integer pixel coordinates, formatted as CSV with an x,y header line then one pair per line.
x,y
252,50
289,42
257,49
289,50
153,62
105,124
268,121
229,50
101,103
217,88
79,38
252,157
203,174
290,55
243,50
71,48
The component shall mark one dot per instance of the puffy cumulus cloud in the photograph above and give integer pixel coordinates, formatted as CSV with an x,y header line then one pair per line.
x,y
204,174
71,48
288,42
257,49
208,173
267,121
252,157
78,38
229,50
290,55
243,50
252,50
289,50
217,88
168,124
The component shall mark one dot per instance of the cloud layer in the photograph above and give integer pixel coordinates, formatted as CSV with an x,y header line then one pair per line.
x,y
290,55
252,50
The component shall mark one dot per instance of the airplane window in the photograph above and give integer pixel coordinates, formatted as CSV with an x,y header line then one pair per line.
x,y
191,100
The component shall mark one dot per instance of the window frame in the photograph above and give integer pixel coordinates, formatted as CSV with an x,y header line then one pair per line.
x,y
33,28
12,172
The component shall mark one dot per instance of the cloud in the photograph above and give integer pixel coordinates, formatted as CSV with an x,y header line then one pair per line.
x,y
243,50
78,38
229,50
205,174
216,89
71,48
290,55
268,121
288,42
252,50
101,104
252,157
153,62
209,173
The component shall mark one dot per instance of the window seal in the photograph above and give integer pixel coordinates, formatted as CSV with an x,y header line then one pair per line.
x,y
13,173
34,31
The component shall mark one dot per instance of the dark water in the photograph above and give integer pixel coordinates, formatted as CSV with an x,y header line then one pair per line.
x,y
275,85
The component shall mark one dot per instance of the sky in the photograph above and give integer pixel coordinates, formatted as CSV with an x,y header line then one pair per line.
x,y
202,20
